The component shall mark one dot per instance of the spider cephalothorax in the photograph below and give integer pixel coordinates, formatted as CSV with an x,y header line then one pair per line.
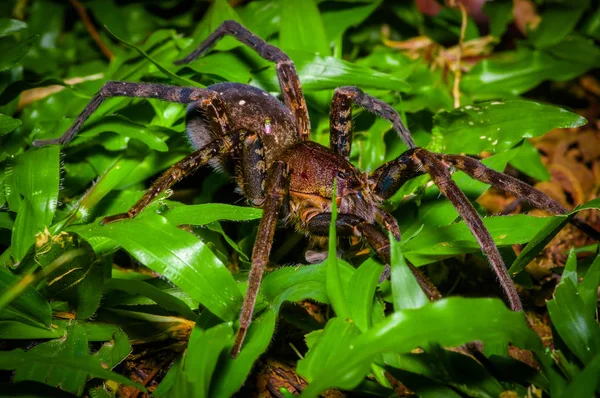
x,y
265,144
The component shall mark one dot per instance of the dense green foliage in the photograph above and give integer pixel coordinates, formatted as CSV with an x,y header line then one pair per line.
x,y
69,283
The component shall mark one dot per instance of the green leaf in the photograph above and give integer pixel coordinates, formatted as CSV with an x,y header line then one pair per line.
x,y
500,15
8,124
161,298
337,20
176,255
200,360
433,244
529,162
218,12
207,213
150,135
319,72
363,285
37,176
585,383
17,330
498,125
10,26
234,372
576,327
11,53
545,235
178,79
335,289
115,351
337,337
42,359
299,283
29,307
588,288
406,292
513,73
557,21
449,322
301,27
74,346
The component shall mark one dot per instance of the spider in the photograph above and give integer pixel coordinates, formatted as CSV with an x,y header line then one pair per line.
x,y
266,143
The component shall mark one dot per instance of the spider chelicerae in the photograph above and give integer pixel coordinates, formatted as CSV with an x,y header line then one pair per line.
x,y
266,144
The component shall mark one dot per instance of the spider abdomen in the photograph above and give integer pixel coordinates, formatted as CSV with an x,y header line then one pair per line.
x,y
251,109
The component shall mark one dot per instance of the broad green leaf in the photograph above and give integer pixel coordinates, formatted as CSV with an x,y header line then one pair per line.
x,y
588,288
433,244
12,53
17,330
234,372
161,298
10,26
498,125
591,25
512,73
298,283
8,124
115,351
337,20
557,21
337,337
362,287
335,289
37,176
406,292
301,27
200,360
530,163
29,307
319,72
177,256
150,135
74,345
178,79
218,12
500,15
449,322
206,213
585,383
545,235
576,327
16,359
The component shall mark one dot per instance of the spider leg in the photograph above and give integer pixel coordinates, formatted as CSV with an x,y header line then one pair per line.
x,y
252,170
181,169
350,225
441,177
289,82
276,190
182,95
340,137
536,198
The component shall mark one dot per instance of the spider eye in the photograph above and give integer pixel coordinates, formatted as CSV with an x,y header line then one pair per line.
x,y
341,174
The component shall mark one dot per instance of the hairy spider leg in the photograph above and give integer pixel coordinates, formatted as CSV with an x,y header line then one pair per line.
x,y
182,95
506,183
350,225
276,190
289,82
220,146
253,169
340,138
389,177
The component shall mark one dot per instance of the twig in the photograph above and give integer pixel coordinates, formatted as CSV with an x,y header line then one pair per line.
x,y
91,28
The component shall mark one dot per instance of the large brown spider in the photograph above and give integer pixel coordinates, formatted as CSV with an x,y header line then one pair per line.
x,y
267,145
